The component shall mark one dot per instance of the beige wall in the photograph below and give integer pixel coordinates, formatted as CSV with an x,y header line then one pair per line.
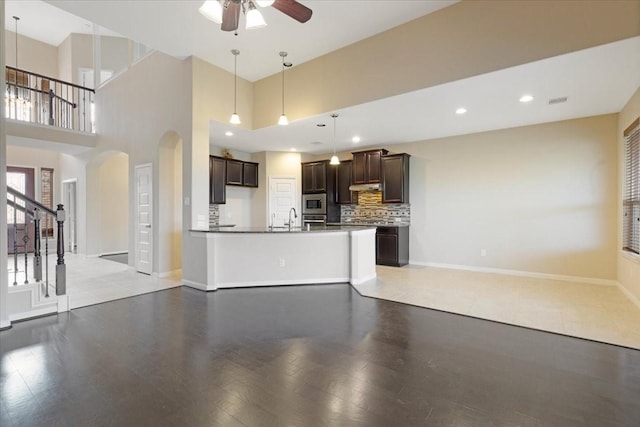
x,y
33,55
463,40
114,204
628,264
538,198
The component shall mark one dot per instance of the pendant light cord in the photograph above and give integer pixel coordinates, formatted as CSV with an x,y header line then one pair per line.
x,y
283,85
334,133
16,19
235,83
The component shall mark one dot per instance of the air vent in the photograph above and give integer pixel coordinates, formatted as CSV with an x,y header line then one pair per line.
x,y
558,100
317,143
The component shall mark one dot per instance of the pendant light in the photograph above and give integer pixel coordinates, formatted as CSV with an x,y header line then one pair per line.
x,y
283,118
334,159
235,119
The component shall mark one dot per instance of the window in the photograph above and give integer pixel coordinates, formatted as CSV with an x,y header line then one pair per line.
x,y
631,201
46,198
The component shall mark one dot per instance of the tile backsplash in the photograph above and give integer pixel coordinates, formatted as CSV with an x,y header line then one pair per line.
x,y
214,215
371,209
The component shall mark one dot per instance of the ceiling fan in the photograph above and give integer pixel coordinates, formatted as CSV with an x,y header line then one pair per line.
x,y
227,12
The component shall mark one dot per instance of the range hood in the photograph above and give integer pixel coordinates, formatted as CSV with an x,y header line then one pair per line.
x,y
365,187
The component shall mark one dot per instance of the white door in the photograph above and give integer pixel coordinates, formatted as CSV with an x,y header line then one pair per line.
x,y
282,197
144,206
70,227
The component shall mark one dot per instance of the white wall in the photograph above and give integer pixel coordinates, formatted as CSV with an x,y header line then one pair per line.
x,y
74,168
628,264
4,290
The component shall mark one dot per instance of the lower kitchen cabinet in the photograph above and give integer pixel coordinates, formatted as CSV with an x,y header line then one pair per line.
x,y
392,246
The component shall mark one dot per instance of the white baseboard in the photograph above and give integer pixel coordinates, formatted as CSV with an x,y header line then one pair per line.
x,y
170,273
196,285
33,313
63,303
283,282
362,280
5,324
577,279
628,294
122,252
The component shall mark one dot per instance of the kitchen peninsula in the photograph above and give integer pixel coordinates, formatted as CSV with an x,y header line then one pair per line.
x,y
230,257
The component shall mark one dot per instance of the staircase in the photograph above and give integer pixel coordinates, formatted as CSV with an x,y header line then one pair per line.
x,y
34,290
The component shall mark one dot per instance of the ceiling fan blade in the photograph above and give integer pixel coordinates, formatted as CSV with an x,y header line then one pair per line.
x,y
292,8
230,16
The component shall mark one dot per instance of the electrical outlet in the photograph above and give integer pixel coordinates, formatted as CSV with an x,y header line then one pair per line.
x,y
483,252
281,262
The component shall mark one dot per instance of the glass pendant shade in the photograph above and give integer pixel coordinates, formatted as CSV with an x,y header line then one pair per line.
x,y
235,119
254,18
283,120
265,3
334,160
212,10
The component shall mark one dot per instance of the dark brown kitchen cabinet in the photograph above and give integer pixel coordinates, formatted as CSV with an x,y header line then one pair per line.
x,y
242,173
367,166
234,172
250,174
395,178
217,180
343,181
392,246
314,177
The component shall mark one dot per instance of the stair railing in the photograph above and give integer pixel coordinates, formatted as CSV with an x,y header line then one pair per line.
x,y
44,100
37,212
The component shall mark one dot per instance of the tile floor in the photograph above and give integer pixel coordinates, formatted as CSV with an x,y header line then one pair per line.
x,y
596,312
92,280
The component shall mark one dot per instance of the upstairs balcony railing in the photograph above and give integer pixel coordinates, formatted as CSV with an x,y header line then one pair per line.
x,y
35,98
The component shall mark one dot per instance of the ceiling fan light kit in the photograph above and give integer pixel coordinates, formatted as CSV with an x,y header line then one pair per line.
x,y
227,12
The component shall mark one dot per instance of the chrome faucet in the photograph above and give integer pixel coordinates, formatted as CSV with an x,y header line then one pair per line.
x,y
295,215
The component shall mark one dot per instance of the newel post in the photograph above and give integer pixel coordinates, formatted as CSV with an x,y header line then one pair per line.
x,y
61,268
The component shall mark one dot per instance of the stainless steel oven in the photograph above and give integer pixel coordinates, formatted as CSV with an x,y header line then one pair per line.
x,y
312,220
314,204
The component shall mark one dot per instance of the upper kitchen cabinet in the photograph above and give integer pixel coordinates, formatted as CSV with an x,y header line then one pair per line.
x,y
343,181
242,173
395,178
314,177
367,166
250,174
217,180
234,172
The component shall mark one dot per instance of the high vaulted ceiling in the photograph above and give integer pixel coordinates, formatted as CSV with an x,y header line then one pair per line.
x,y
176,27
595,81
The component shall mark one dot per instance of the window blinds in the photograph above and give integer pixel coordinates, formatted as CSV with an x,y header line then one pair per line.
x,y
631,201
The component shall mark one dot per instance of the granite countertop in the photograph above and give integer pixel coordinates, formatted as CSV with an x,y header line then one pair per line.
x,y
369,224
279,230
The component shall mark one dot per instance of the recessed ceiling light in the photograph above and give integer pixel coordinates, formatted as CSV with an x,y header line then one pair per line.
x,y
526,98
228,133
461,110
355,139
292,149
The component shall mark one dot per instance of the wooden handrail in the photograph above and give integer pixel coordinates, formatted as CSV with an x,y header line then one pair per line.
x,y
50,78
38,205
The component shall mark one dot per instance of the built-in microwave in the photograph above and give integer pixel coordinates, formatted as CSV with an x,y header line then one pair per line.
x,y
314,204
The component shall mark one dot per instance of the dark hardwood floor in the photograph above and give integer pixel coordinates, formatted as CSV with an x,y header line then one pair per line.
x,y
304,356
